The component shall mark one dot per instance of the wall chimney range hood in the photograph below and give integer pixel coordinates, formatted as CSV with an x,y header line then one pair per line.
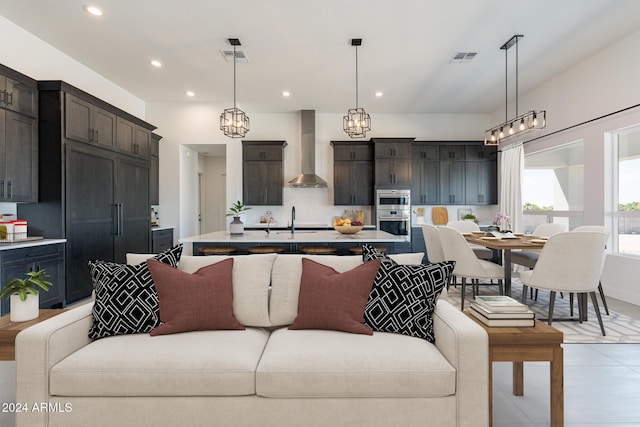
x,y
307,177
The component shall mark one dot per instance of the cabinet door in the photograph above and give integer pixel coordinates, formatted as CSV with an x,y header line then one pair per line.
x,y
402,171
262,183
133,208
154,183
342,181
273,182
452,152
452,183
480,152
126,136
262,152
352,152
384,171
426,177
390,150
77,121
54,267
20,182
104,128
142,142
90,214
481,183
426,152
21,98
362,183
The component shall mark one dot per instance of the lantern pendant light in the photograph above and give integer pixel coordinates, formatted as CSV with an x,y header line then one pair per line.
x,y
357,122
233,121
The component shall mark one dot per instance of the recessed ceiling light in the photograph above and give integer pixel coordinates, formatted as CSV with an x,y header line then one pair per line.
x,y
155,63
286,93
95,11
190,93
379,94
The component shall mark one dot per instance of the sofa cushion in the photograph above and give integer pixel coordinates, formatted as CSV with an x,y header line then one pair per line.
x,y
287,271
126,299
194,302
314,363
332,300
251,279
404,297
202,363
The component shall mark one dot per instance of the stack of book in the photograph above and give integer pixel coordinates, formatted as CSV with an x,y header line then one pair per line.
x,y
501,311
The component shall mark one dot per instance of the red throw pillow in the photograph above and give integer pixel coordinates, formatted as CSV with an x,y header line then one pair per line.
x,y
194,302
332,300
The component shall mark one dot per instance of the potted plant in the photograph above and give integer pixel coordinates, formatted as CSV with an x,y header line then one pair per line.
x,y
23,293
237,226
470,217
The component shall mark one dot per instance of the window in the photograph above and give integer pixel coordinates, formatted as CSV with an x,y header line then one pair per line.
x,y
553,186
627,206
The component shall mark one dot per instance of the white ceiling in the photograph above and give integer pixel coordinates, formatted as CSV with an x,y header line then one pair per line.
x,y
304,47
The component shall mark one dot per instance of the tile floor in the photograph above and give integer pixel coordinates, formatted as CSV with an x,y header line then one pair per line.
x,y
601,385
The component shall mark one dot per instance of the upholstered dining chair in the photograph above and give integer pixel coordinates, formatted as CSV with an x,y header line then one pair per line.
x,y
469,227
569,262
529,258
607,233
468,265
432,242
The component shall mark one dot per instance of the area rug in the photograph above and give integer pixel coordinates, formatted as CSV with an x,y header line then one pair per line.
x,y
619,327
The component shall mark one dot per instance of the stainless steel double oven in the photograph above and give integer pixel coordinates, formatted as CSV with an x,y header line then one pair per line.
x,y
393,211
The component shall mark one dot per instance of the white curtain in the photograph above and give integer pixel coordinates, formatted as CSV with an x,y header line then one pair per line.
x,y
511,169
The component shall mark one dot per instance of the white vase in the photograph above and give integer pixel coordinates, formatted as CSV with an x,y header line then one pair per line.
x,y
236,226
22,311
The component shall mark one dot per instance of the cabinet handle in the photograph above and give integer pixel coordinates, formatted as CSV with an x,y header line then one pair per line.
x,y
3,95
97,135
90,135
119,219
9,195
2,189
9,97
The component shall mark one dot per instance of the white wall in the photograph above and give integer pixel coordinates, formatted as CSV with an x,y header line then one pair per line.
x,y
37,59
602,84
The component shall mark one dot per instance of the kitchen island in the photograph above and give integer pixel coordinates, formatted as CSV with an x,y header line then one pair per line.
x,y
291,242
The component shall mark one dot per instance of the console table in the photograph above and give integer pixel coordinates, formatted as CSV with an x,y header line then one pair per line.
x,y
540,343
9,330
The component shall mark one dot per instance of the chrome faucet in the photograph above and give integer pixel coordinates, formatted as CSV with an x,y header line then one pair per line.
x,y
293,219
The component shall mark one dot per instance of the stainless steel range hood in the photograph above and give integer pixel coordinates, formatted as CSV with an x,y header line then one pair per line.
x,y
307,177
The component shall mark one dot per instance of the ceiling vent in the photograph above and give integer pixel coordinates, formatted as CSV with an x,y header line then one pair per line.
x,y
462,57
240,55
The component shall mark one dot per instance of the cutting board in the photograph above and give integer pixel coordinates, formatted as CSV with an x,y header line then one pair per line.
x,y
439,215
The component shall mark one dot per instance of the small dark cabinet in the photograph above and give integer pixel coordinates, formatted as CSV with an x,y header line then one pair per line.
x,y
393,162
18,137
481,178
161,240
262,172
352,173
19,261
452,183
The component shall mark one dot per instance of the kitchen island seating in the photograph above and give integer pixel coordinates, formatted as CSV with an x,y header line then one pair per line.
x,y
266,374
218,250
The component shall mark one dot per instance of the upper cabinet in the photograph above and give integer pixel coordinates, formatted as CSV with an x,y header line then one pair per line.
x,y
262,172
18,137
352,173
454,173
86,122
154,169
133,139
392,162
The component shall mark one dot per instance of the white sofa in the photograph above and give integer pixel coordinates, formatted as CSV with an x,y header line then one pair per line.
x,y
266,375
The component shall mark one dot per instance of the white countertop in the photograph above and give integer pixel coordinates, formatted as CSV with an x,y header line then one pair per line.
x,y
29,243
303,236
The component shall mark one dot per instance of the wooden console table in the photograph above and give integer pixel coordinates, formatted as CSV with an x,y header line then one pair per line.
x,y
9,330
540,343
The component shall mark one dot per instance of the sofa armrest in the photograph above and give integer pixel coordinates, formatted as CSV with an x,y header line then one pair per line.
x,y
466,346
39,348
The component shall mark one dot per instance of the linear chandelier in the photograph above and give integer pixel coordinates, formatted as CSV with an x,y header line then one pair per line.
x,y
233,121
534,119
357,122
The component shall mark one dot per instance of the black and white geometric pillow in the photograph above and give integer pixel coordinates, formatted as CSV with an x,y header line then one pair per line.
x,y
404,297
369,253
126,301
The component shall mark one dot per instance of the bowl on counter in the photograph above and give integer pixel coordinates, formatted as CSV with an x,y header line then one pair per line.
x,y
348,229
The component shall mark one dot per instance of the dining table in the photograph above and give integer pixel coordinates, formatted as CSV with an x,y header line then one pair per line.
x,y
502,245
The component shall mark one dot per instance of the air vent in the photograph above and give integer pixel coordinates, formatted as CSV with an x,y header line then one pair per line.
x,y
462,57
240,55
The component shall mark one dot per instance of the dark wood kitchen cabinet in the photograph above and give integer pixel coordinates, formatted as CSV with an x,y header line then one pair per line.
x,y
262,172
481,183
132,139
18,137
425,171
90,194
452,183
352,173
393,162
20,261
154,169
87,122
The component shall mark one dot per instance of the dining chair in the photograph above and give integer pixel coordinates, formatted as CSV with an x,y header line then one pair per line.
x,y
607,233
469,227
468,265
432,242
569,262
528,258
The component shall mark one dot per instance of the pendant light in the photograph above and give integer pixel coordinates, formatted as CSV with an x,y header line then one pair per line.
x,y
534,119
357,122
233,121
